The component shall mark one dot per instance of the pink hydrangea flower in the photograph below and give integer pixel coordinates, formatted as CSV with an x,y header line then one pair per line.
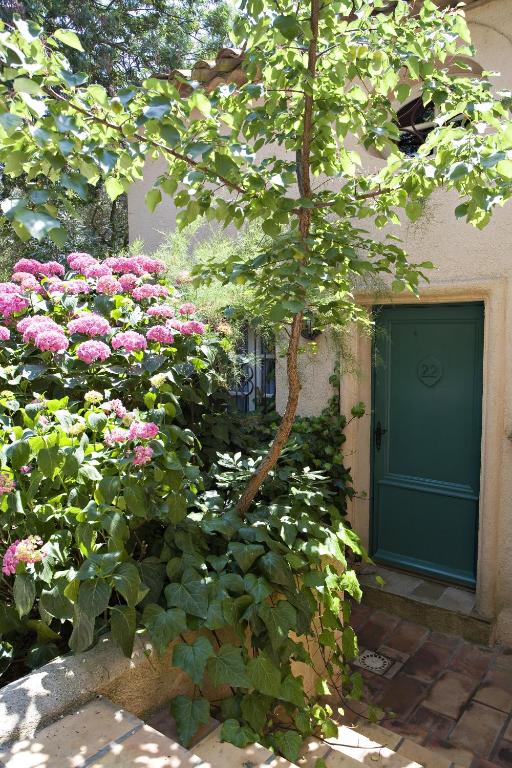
x,y
10,303
55,285
30,283
24,551
147,264
32,325
130,341
90,351
31,266
175,323
4,333
48,340
78,259
143,430
95,270
18,277
75,287
187,309
149,291
128,281
160,310
51,268
192,326
117,435
90,325
115,406
109,285
139,265
142,455
26,468
7,484
9,288
161,334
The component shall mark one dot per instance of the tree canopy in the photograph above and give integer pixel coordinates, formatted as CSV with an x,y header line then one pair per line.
x,y
322,79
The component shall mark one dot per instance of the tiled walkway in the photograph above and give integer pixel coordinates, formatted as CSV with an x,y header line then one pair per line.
x,y
442,692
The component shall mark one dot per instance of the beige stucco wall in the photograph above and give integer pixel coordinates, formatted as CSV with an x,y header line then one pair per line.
x,y
470,265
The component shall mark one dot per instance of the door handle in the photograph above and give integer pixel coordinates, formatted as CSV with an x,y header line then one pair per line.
x,y
379,432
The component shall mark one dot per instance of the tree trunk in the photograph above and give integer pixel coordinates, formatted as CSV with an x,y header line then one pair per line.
x,y
304,215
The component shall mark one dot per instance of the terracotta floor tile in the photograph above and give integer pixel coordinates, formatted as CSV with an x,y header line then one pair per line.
x,y
496,690
402,695
436,724
449,641
428,662
375,630
508,732
461,757
503,754
478,729
451,692
472,660
407,637
406,729
479,762
423,756
504,658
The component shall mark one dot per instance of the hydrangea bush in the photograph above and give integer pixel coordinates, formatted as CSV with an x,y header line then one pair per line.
x,y
113,517
99,364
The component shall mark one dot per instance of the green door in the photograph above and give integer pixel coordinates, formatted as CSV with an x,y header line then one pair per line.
x,y
427,425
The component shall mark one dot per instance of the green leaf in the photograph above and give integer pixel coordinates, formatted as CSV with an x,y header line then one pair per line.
x,y
123,623
246,554
18,453
289,744
192,597
6,656
55,603
264,675
192,658
275,568
239,735
26,85
227,667
24,593
69,38
37,224
83,631
89,472
126,581
108,488
292,690
279,620
163,626
94,597
189,715
414,210
153,198
113,187
287,25
135,500
255,709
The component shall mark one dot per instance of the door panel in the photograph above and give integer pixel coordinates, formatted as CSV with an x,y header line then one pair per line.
x,y
427,401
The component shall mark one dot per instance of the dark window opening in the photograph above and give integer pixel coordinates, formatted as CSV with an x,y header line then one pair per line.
x,y
256,388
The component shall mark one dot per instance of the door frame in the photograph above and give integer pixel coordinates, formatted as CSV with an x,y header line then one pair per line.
x,y
494,507
372,539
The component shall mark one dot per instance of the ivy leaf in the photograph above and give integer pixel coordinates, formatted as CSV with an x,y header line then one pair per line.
x,y
192,597
292,690
189,715
163,626
255,709
239,735
275,568
227,667
246,554
279,620
264,675
192,658
94,597
69,38
24,592
123,623
289,744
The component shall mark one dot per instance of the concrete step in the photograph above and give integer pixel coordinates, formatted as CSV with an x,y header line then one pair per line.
x,y
100,735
